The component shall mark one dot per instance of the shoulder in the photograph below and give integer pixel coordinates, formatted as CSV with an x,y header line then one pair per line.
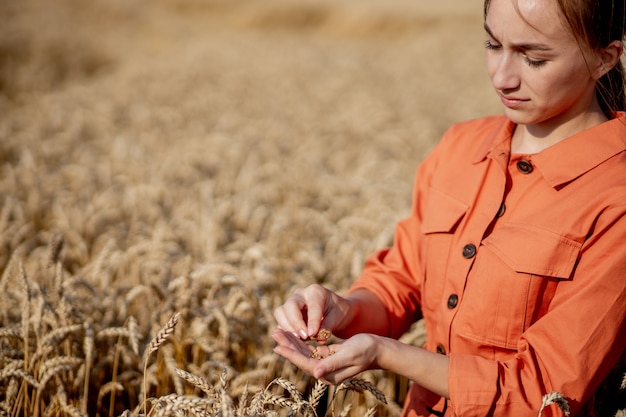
x,y
477,127
474,138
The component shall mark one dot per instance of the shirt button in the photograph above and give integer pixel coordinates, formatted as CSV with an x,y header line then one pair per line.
x,y
453,300
524,166
441,350
469,251
501,210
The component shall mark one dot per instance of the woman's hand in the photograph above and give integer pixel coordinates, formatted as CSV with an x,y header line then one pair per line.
x,y
330,363
311,308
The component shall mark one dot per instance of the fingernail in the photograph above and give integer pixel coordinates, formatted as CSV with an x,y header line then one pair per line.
x,y
303,334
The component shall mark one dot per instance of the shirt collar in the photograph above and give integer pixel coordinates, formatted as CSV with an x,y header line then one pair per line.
x,y
570,158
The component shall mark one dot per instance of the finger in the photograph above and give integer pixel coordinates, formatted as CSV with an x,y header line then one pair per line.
x,y
317,299
294,350
290,316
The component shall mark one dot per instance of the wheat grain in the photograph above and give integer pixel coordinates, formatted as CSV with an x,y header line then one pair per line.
x,y
346,410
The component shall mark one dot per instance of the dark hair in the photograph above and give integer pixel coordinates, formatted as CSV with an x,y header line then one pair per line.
x,y
595,24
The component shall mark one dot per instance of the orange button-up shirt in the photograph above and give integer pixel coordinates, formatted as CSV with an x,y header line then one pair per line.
x,y
517,263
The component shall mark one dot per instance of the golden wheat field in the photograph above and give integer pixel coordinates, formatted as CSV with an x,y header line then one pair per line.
x,y
172,169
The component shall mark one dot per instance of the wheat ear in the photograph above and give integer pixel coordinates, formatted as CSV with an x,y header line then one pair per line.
x,y
158,340
555,398
361,385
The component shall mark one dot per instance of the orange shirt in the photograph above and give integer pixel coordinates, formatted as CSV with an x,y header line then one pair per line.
x,y
517,263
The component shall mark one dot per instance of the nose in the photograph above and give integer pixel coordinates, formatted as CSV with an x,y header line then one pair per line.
x,y
504,72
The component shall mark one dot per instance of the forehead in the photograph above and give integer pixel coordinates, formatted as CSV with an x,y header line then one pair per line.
x,y
527,18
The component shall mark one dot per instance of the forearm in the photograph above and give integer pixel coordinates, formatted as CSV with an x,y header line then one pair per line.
x,y
366,315
427,369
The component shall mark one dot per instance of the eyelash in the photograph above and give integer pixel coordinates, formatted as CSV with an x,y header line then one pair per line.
x,y
532,63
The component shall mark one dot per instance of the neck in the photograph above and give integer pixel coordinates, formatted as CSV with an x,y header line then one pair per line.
x,y
531,139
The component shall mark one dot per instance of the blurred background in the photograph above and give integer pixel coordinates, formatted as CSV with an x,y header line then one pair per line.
x,y
207,157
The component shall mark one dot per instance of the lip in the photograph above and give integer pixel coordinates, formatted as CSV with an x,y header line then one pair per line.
x,y
512,102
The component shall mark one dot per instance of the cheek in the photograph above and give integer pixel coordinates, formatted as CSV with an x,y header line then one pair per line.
x,y
492,65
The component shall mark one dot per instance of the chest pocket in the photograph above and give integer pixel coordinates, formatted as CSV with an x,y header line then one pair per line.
x,y
442,215
512,282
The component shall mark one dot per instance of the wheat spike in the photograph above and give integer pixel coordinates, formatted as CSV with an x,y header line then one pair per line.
x,y
164,333
55,365
201,383
107,388
19,373
54,249
371,412
555,398
51,341
290,387
158,340
280,400
316,393
72,411
133,337
360,385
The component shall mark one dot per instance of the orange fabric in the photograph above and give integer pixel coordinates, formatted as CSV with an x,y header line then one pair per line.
x,y
541,294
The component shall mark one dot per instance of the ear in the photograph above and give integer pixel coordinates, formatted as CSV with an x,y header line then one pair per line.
x,y
608,56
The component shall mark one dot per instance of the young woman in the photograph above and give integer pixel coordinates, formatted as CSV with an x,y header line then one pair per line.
x,y
515,250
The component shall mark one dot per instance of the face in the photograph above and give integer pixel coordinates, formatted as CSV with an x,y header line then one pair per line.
x,y
536,65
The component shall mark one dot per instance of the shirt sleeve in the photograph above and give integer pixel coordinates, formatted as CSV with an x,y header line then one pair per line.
x,y
570,350
394,274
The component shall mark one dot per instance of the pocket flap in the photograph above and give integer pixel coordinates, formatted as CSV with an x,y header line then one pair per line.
x,y
533,250
442,212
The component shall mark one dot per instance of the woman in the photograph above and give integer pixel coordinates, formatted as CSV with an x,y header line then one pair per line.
x,y
514,252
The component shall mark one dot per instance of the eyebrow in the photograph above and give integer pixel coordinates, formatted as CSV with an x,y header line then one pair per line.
x,y
522,46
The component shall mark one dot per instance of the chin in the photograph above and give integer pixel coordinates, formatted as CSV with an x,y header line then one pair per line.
x,y
522,118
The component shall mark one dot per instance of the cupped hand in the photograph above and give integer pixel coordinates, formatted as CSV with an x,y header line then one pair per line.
x,y
311,308
330,363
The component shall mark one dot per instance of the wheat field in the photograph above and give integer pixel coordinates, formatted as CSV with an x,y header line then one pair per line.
x,y
172,169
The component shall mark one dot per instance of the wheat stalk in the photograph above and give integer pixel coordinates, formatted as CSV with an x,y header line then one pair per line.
x,y
88,347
